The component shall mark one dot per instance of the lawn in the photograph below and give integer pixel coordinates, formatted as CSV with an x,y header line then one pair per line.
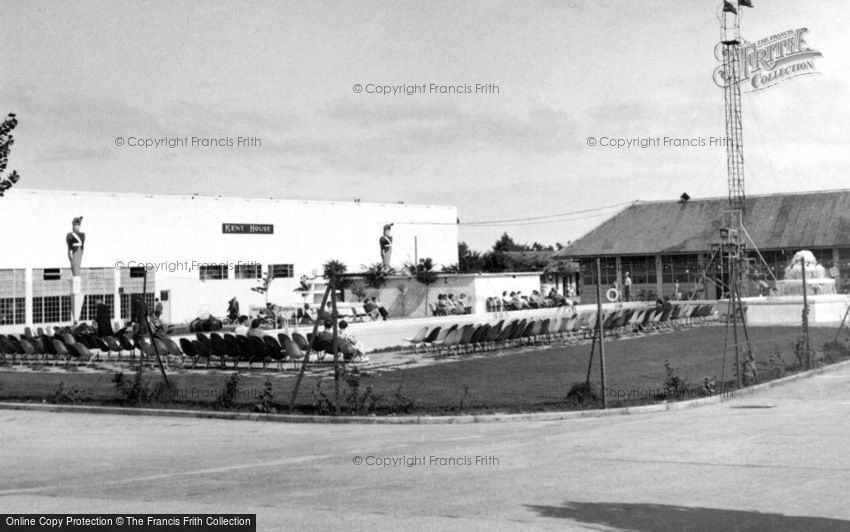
x,y
509,380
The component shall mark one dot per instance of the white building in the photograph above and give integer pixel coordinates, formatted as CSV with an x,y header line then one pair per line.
x,y
200,251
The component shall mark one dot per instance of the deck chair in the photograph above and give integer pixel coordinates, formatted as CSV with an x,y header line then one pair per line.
x,y
274,351
188,349
418,339
61,351
293,352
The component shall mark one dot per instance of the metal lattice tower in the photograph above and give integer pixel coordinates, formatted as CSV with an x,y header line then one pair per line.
x,y
731,41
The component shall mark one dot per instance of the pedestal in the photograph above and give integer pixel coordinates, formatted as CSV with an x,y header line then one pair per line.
x,y
76,298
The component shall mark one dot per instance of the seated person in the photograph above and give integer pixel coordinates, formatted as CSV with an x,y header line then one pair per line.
x,y
517,302
324,340
381,310
371,309
507,301
158,327
666,305
83,328
463,306
325,313
255,328
129,329
306,315
242,327
349,346
534,300
451,305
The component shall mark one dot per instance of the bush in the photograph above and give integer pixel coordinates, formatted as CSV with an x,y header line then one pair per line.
x,y
833,351
62,395
138,390
376,275
674,386
584,394
322,404
775,363
265,403
357,403
226,400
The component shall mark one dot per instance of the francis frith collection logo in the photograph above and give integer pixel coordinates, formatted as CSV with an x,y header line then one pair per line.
x,y
770,61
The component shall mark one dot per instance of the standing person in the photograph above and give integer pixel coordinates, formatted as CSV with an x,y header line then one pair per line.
x,y
233,309
139,314
157,308
627,288
102,316
386,242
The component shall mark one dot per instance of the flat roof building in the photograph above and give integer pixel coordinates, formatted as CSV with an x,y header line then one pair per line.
x,y
200,250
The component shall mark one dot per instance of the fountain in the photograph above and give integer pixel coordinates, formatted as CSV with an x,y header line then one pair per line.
x,y
817,281
784,305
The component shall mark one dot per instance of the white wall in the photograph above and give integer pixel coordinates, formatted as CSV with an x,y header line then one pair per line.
x,y
184,231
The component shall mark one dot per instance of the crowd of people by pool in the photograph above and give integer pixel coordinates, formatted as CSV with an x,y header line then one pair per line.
x,y
516,300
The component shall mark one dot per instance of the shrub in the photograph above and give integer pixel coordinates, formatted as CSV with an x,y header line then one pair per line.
x,y
62,395
265,403
376,275
357,403
227,398
322,404
138,390
402,403
584,394
776,364
674,385
833,351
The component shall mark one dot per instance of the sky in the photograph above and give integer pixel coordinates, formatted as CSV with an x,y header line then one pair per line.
x,y
79,75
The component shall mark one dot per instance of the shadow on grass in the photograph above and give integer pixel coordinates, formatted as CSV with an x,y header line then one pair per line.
x,y
664,517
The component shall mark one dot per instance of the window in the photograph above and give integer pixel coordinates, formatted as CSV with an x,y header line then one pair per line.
x,y
51,309
126,307
12,310
641,269
52,274
248,271
90,302
281,270
609,271
843,270
213,271
682,269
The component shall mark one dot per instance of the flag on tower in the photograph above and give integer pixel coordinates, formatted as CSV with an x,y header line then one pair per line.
x,y
745,3
729,8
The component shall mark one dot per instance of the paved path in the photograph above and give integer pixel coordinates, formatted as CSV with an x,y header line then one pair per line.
x,y
724,467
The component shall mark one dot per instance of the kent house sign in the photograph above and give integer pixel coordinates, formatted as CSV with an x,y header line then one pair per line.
x,y
247,229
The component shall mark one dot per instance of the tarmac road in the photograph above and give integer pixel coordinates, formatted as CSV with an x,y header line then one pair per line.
x,y
729,466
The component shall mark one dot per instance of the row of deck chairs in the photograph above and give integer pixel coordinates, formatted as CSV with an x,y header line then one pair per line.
x,y
470,338
252,349
65,346
84,348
